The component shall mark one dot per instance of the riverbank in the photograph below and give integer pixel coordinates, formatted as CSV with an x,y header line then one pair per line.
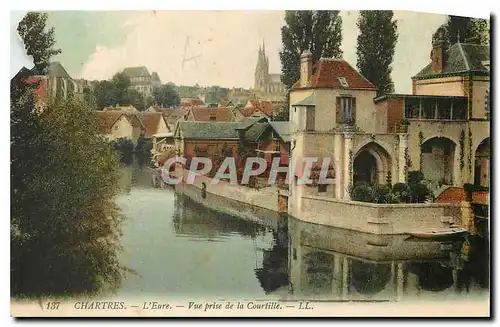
x,y
374,218
257,206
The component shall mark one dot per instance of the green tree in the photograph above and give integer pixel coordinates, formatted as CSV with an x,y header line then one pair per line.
x,y
375,47
134,98
320,32
282,110
65,225
317,31
166,95
117,92
38,41
464,30
105,95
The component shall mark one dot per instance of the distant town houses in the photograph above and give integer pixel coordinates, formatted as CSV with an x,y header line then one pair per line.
x,y
217,140
127,123
240,96
116,124
125,109
141,80
191,102
258,108
154,123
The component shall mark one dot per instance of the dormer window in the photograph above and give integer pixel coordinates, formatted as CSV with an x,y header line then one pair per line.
x,y
343,82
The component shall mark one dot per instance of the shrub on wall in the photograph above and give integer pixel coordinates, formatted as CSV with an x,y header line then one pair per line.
x,y
416,191
420,193
402,192
362,192
381,194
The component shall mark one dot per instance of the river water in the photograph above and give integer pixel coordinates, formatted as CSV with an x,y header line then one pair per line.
x,y
179,248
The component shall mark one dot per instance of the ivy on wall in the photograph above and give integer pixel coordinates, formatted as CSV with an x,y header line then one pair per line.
x,y
420,143
407,160
469,97
462,149
351,173
470,152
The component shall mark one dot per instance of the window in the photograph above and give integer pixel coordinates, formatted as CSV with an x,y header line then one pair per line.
x,y
310,118
429,107
343,82
346,109
213,118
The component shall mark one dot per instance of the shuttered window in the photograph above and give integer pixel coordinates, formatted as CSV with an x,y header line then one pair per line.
x,y
310,118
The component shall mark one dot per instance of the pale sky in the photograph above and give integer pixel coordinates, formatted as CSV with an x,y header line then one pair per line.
x,y
95,45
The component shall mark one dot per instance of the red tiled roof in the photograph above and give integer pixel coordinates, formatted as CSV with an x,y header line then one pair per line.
x,y
134,120
457,195
264,106
451,195
107,119
328,72
151,121
218,113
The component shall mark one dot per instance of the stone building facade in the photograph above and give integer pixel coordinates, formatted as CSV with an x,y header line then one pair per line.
x,y
332,115
141,80
441,129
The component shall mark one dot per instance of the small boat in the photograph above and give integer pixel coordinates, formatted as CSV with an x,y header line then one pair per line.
x,y
440,234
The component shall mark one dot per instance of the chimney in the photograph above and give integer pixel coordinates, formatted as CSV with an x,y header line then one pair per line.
x,y
438,53
305,68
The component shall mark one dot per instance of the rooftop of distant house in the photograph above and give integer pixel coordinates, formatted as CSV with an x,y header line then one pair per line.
x,y
108,118
220,114
151,121
155,77
141,71
266,107
251,129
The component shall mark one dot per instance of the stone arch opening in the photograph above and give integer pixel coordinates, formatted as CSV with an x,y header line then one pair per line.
x,y
319,268
433,276
371,164
482,163
438,156
369,278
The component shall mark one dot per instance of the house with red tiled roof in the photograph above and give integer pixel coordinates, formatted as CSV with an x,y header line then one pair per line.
x,y
154,123
332,116
442,129
258,108
115,124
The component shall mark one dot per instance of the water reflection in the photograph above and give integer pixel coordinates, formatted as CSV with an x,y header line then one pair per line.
x,y
207,253
340,264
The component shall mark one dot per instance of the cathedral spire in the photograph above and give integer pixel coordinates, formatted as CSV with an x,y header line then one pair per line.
x,y
263,48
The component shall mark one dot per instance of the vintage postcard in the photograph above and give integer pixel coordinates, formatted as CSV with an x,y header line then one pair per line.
x,y
250,164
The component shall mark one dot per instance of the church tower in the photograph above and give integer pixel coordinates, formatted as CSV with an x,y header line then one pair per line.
x,y
262,69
